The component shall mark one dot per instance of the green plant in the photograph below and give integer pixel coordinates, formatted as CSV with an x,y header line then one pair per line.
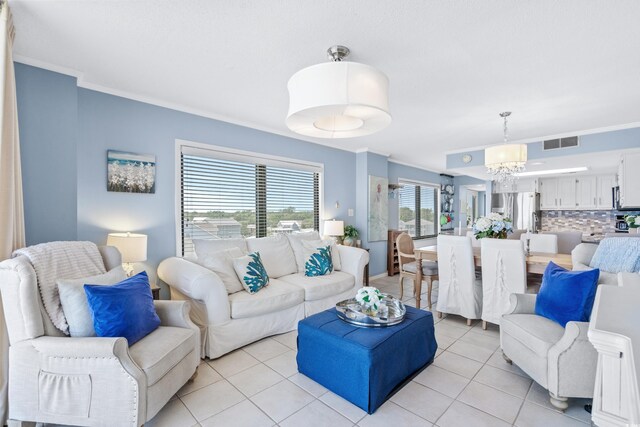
x,y
632,220
350,231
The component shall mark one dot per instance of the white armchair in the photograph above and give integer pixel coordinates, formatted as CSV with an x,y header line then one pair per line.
x,y
89,381
581,258
562,360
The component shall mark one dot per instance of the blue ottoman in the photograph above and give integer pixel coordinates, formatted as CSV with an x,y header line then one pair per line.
x,y
364,365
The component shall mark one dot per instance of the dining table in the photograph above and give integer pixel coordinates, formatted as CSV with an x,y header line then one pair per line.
x,y
536,262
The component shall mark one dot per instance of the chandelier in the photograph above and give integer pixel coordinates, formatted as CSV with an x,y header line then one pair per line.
x,y
338,99
505,160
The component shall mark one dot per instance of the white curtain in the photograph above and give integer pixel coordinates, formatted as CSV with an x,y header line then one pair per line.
x,y
11,205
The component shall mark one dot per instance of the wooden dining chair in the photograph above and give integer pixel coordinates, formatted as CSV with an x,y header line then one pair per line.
x,y
504,272
408,266
459,292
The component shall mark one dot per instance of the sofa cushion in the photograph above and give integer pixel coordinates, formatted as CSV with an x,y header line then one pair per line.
x,y
276,253
210,246
161,350
535,332
251,272
429,268
74,300
279,295
296,239
320,287
221,263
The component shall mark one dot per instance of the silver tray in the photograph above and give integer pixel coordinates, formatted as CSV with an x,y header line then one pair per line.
x,y
351,312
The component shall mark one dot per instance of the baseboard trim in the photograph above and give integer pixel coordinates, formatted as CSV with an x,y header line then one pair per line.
x,y
378,276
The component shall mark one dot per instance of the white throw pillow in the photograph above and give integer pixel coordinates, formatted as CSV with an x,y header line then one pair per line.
x,y
204,247
295,240
251,272
74,300
221,263
276,253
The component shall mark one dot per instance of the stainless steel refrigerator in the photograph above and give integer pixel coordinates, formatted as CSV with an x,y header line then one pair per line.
x,y
522,208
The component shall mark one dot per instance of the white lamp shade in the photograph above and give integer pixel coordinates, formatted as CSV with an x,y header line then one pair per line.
x,y
334,228
505,153
338,100
132,247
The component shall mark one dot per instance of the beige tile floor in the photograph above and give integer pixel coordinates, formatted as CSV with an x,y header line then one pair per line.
x,y
468,384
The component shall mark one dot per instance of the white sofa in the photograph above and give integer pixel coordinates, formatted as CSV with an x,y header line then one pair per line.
x,y
231,320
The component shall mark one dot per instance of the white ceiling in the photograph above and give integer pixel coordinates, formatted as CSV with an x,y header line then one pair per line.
x,y
560,66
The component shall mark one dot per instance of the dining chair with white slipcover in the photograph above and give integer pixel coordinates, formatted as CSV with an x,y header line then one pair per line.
x,y
504,272
547,243
459,291
474,242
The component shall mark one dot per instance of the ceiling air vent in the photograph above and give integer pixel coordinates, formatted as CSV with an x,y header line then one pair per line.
x,y
555,144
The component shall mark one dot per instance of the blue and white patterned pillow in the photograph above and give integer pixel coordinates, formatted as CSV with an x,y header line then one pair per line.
x,y
318,262
251,272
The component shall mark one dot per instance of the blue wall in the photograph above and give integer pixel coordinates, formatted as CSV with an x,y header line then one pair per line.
x,y
48,119
66,132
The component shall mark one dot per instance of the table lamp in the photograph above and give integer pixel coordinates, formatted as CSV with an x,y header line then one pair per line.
x,y
132,247
334,229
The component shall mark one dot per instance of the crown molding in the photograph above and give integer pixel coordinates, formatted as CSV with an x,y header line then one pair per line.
x,y
412,165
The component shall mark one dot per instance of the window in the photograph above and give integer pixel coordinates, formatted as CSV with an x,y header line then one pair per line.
x,y
418,207
227,194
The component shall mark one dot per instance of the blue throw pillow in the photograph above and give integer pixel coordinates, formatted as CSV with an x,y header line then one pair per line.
x,y
123,310
565,295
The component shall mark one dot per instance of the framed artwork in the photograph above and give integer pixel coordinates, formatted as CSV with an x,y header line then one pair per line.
x,y
131,172
378,208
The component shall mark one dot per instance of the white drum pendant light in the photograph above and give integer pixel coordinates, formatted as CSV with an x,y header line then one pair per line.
x,y
338,99
504,161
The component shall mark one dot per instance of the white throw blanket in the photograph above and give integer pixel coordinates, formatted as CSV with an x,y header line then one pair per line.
x,y
61,260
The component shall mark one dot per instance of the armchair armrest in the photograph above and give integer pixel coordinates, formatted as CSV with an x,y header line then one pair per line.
x,y
572,362
581,255
197,283
67,376
353,261
81,347
174,313
522,304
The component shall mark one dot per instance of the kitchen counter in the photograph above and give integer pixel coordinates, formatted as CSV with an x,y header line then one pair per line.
x,y
592,238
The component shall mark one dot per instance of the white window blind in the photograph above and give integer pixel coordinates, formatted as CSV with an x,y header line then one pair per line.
x,y
222,197
418,206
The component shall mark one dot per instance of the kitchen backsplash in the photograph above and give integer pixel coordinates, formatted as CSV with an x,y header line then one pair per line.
x,y
597,222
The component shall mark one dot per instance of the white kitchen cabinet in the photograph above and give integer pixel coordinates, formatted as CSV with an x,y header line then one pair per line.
x,y
604,191
548,193
586,192
567,193
629,179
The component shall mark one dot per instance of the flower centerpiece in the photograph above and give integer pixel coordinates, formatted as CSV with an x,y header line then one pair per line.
x,y
494,226
369,299
633,221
